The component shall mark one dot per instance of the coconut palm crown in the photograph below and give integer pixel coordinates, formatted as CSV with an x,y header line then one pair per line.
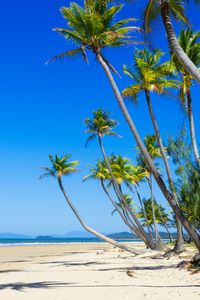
x,y
100,125
60,166
92,27
151,144
190,43
148,74
123,170
152,12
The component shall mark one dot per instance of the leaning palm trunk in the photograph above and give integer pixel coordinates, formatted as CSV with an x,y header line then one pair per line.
x,y
174,44
91,230
144,212
168,232
119,194
189,228
192,130
132,227
178,248
153,209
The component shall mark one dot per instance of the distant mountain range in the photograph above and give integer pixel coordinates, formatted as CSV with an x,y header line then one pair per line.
x,y
9,235
77,234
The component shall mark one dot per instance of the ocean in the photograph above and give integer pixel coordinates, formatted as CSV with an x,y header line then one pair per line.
x,y
49,241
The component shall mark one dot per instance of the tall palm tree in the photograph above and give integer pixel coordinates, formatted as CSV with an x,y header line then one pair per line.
x,y
92,27
99,126
190,43
166,8
62,167
148,76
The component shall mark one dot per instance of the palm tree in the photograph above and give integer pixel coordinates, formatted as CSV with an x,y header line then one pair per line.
x,y
154,150
162,217
62,167
149,75
99,126
166,8
92,28
188,39
123,173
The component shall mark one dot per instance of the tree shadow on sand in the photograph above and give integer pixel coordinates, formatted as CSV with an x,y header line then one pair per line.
x,y
71,264
145,268
9,271
20,286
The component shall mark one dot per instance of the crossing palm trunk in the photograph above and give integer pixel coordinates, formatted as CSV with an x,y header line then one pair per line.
x,y
189,228
168,232
91,230
178,248
174,44
133,228
144,212
192,130
153,210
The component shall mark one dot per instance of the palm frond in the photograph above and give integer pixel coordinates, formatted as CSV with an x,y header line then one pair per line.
x,y
89,139
65,54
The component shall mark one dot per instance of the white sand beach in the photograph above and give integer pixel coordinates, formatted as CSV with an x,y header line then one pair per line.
x,y
92,271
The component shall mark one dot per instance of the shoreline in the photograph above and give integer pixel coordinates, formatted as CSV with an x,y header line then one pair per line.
x,y
63,243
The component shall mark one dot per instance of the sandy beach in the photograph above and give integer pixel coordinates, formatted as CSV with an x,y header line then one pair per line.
x,y
92,271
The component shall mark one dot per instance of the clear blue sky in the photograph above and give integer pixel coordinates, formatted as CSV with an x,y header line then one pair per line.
x,y
42,109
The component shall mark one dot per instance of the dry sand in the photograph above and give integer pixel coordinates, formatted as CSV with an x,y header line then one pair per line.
x,y
92,271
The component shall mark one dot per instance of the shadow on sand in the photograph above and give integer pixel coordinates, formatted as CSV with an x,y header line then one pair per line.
x,y
20,286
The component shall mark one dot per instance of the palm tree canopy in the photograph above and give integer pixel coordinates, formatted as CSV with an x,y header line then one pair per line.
x,y
93,27
122,169
152,12
100,125
190,43
152,147
129,201
190,197
60,166
147,73
161,216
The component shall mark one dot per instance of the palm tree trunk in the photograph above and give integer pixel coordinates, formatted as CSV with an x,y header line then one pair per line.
x,y
174,44
192,130
91,230
153,209
178,248
189,228
118,192
133,228
168,232
144,212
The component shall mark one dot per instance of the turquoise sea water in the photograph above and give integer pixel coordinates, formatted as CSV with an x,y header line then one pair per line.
x,y
29,241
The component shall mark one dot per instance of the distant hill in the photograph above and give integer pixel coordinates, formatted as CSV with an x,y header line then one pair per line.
x,y
122,235
9,235
77,234
128,235
74,234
